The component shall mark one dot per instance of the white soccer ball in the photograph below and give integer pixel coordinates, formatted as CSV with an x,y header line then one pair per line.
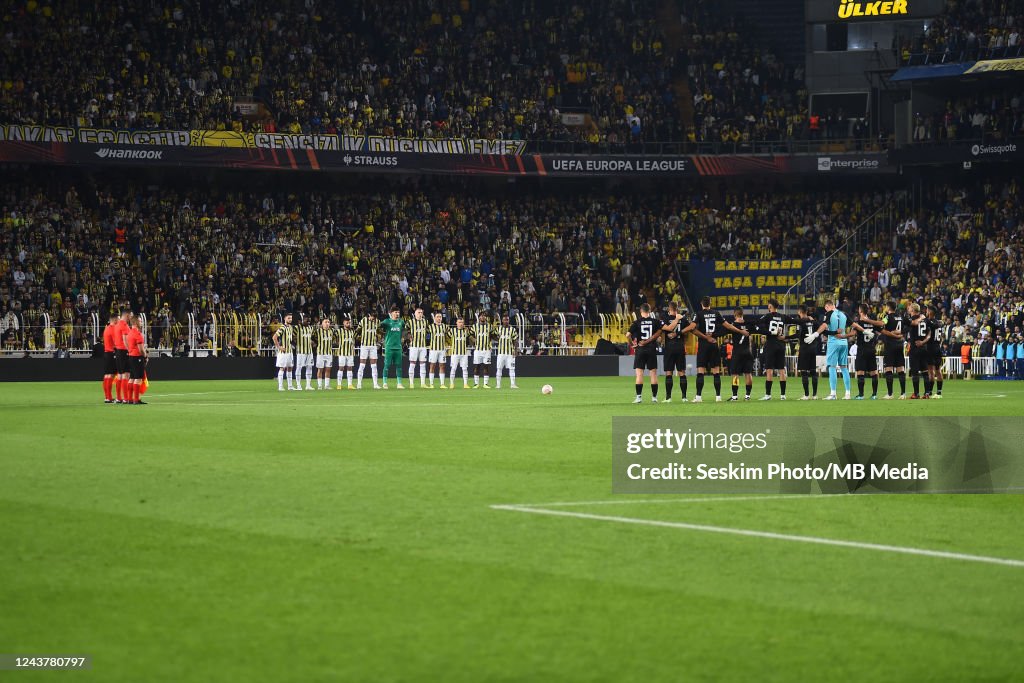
x,y
546,389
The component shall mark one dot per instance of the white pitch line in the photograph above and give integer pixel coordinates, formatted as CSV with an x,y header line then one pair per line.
x,y
904,550
209,393
644,501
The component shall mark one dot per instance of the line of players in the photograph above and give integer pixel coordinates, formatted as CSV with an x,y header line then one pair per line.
x,y
300,348
124,356
916,329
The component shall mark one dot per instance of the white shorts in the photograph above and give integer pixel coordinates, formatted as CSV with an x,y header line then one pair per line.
x,y
304,360
367,352
324,361
436,356
346,361
284,360
417,354
460,361
506,360
481,357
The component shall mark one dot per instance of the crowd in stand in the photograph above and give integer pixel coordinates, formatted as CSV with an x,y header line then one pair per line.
x,y
449,68
71,249
992,116
962,253
418,68
969,30
741,92
75,248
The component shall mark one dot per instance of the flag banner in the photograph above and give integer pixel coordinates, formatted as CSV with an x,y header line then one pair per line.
x,y
346,154
747,283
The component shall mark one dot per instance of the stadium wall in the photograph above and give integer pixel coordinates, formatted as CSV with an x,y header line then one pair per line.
x,y
86,369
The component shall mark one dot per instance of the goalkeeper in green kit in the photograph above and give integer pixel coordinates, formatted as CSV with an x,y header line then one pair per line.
x,y
393,327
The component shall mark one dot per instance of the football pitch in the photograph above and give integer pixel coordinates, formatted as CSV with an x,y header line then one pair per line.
x,y
230,532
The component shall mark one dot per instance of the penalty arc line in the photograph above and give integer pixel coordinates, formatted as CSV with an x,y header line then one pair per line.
x,y
751,533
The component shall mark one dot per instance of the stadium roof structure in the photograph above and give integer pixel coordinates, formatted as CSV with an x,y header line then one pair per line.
x,y
986,68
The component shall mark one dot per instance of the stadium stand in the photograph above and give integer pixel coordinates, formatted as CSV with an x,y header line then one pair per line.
x,y
740,91
415,68
75,249
960,253
968,30
994,115
639,71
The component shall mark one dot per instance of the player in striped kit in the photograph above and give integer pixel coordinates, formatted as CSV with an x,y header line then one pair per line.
x,y
284,342
458,337
324,354
346,351
438,343
304,356
508,337
481,332
368,328
418,348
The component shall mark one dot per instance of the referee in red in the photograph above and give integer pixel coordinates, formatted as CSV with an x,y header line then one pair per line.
x,y
136,361
109,364
121,330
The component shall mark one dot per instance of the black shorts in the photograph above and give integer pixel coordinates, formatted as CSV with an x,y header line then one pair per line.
x,y
742,364
773,357
936,356
920,359
136,367
866,361
121,360
675,358
894,358
709,356
109,364
646,358
807,361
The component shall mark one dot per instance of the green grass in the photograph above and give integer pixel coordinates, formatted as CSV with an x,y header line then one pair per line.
x,y
227,532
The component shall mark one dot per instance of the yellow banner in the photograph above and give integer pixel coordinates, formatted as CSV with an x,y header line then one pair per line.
x,y
230,138
997,65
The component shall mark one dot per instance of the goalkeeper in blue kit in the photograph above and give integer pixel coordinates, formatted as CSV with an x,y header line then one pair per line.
x,y
837,349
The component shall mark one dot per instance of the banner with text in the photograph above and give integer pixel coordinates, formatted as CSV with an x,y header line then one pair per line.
x,y
1011,149
216,149
747,283
236,139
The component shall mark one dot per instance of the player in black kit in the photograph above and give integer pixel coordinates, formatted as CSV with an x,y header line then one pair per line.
x,y
675,326
935,351
773,326
807,354
742,358
920,335
709,357
893,360
642,335
867,362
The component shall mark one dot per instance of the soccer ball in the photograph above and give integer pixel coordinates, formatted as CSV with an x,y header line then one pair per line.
x,y
546,389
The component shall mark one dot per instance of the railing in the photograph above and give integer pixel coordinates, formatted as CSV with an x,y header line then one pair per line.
x,y
990,138
821,278
45,333
959,56
557,334
813,144
683,289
